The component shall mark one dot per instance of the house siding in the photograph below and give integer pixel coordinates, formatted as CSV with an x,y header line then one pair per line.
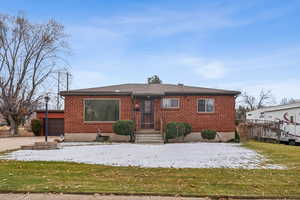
x,y
222,119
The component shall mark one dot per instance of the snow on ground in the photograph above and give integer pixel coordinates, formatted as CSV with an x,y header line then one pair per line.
x,y
183,155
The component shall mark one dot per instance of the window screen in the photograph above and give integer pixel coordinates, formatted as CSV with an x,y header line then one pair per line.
x,y
101,110
170,103
206,105
147,106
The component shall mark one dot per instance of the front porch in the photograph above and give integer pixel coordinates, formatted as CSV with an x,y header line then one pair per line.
x,y
147,114
149,136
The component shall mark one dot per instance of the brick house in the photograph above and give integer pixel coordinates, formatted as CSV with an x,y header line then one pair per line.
x,y
151,106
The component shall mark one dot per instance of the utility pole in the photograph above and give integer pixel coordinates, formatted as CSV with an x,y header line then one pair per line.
x,y
47,98
68,81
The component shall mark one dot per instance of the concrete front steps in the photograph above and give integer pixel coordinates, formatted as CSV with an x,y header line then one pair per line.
x,y
148,137
41,146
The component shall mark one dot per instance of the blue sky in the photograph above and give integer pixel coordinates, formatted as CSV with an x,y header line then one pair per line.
x,y
242,45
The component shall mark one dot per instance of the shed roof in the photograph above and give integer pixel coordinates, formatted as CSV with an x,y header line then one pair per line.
x,y
289,106
138,89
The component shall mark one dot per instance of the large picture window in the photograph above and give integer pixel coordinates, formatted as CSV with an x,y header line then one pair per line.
x,y
101,110
170,103
206,105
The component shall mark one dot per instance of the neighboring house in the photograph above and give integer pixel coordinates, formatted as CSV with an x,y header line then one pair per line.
x,y
151,106
286,116
288,112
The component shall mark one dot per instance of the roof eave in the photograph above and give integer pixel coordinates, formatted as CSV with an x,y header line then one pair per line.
x,y
94,93
203,93
112,93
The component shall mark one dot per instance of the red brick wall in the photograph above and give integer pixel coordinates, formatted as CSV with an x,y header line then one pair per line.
x,y
223,119
74,122
57,115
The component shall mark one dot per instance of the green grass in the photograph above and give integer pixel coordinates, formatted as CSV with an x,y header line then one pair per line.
x,y
278,153
83,178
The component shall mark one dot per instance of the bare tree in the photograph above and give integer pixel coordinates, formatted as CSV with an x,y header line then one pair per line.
x,y
252,102
28,55
240,113
285,101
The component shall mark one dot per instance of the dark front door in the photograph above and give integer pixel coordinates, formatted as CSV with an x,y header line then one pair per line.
x,y
147,114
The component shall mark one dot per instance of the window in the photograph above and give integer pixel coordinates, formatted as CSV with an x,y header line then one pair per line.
x,y
101,110
292,119
262,115
170,103
206,105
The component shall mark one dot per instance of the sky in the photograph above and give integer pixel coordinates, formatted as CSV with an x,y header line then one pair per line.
x,y
230,44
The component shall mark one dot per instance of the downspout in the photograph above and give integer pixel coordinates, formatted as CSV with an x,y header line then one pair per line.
x,y
162,121
133,116
235,97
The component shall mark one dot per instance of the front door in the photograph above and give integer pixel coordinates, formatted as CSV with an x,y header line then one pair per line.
x,y
147,111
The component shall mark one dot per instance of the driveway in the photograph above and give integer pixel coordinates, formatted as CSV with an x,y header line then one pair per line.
x,y
12,143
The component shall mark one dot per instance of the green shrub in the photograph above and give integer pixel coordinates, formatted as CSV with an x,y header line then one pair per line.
x,y
171,130
36,127
236,137
187,128
181,129
208,134
124,127
175,130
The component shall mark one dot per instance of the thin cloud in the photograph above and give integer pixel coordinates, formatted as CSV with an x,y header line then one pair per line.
x,y
86,79
163,22
212,70
205,68
280,88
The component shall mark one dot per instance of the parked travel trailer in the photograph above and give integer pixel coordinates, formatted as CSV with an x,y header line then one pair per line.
x,y
288,117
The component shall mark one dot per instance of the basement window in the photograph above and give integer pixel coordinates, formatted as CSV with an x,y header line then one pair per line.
x,y
170,103
101,110
206,105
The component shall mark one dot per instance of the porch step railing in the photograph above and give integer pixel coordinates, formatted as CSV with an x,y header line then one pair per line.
x,y
162,126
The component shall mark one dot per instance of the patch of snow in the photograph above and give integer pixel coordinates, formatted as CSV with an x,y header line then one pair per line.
x,y
184,155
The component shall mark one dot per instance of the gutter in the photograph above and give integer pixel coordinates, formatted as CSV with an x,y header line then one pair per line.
x,y
145,94
64,93
196,94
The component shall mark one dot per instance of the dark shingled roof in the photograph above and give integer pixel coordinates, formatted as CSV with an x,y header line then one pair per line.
x,y
138,89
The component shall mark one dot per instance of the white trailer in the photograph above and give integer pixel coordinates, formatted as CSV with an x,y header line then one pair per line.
x,y
288,117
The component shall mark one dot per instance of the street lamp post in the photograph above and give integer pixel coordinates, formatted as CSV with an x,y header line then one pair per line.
x,y
47,98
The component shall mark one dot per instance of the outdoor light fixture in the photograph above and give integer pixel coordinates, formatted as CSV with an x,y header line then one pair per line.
x,y
136,107
46,98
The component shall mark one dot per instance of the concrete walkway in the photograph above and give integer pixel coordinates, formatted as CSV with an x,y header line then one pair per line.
x,y
12,143
87,197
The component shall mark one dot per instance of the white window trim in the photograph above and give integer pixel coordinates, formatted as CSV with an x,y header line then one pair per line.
x,y
205,105
91,122
162,103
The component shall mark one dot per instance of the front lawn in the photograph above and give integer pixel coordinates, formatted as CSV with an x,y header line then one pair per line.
x,y
179,155
84,178
278,153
